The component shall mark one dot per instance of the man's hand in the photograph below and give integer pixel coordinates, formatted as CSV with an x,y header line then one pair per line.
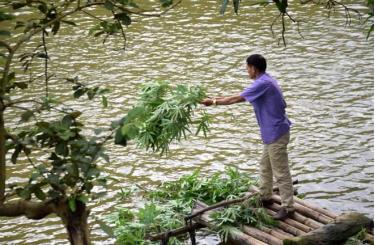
x,y
207,102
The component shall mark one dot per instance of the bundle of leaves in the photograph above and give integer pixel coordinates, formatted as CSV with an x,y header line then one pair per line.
x,y
167,205
163,114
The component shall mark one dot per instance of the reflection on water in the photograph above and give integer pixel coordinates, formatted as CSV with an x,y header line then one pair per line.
x,y
327,79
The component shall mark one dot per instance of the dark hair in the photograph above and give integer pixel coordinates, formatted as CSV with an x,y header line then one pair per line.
x,y
258,61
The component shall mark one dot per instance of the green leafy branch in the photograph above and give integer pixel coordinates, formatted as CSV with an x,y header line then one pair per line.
x,y
162,115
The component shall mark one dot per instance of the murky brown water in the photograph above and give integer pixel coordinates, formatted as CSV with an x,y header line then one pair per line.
x,y
327,80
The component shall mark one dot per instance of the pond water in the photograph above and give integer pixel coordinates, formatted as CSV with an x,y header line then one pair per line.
x,y
327,79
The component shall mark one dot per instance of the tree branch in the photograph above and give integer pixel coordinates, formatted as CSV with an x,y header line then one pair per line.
x,y
142,13
27,37
30,209
45,60
4,44
218,205
122,30
175,232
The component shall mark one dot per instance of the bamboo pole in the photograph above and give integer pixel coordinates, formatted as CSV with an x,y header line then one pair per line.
x,y
261,235
287,227
369,237
276,232
298,225
243,239
315,208
307,211
302,209
299,217
282,232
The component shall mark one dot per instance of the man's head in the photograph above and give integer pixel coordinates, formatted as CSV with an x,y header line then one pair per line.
x,y
256,64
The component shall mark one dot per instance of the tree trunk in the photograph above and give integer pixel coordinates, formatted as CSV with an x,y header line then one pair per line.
x,y
75,222
2,155
344,226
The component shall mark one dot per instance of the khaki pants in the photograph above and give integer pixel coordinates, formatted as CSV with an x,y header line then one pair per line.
x,y
275,163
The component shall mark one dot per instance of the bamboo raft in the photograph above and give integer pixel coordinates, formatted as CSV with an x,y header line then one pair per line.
x,y
309,225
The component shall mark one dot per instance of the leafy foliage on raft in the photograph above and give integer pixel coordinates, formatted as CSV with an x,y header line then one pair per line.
x,y
164,113
166,207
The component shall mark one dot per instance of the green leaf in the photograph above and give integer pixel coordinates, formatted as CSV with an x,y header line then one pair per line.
x,y
88,187
21,85
23,193
75,114
42,55
56,27
62,149
5,16
11,76
93,172
224,6
19,24
91,94
4,33
25,117
124,18
34,176
69,22
53,179
18,5
236,5
15,154
72,169
67,121
99,33
52,194
371,30
108,5
83,198
79,92
43,7
104,101
166,3
129,130
72,204
40,194
119,138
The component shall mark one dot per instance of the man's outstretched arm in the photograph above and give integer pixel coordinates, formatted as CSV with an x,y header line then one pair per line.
x,y
228,100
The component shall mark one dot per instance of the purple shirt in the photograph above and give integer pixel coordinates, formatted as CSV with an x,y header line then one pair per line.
x,y
269,106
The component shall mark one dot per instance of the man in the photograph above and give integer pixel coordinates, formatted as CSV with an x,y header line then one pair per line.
x,y
269,106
